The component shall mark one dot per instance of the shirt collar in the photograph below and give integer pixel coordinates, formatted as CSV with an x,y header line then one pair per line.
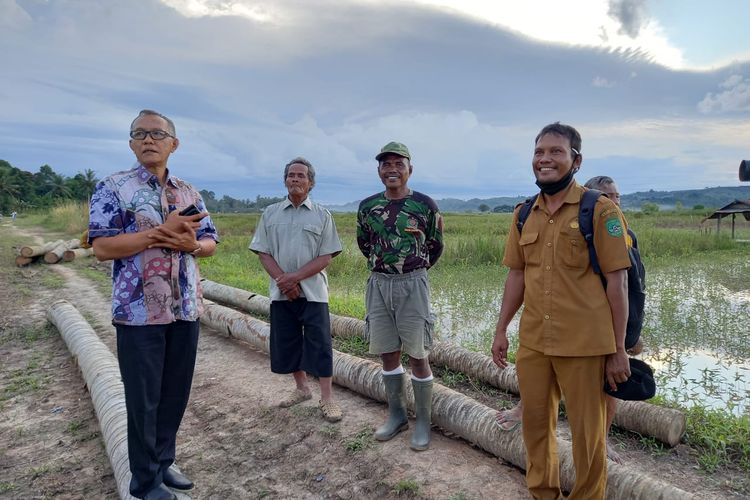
x,y
306,203
145,176
573,196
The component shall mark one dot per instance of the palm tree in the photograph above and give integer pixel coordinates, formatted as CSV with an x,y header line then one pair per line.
x,y
9,189
88,181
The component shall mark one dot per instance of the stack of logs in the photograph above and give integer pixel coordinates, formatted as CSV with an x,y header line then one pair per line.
x,y
52,252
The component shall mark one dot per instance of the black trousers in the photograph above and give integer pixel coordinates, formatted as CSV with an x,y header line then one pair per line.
x,y
301,337
156,364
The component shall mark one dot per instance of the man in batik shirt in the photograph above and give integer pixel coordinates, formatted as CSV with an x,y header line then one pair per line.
x,y
156,296
400,232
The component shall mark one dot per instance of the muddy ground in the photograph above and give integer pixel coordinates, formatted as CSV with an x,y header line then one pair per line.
x,y
234,442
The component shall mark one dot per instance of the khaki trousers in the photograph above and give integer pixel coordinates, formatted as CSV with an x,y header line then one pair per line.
x,y
541,379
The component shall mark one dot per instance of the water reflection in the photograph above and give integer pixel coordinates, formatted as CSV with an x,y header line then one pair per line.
x,y
696,332
695,375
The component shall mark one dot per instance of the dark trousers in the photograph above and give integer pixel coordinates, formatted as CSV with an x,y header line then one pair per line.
x,y
156,364
301,337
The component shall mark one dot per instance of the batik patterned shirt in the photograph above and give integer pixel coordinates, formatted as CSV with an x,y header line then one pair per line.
x,y
156,286
399,236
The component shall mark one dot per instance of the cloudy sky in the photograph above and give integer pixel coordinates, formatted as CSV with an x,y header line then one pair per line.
x,y
659,89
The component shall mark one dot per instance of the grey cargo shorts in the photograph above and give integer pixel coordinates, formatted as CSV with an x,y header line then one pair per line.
x,y
398,313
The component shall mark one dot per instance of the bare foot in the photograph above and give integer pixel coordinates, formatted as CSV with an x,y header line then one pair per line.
x,y
612,454
508,420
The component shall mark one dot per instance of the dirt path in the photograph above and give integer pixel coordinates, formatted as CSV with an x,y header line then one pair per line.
x,y
234,441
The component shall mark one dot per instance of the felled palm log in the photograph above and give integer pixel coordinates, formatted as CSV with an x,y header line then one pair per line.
x,y
665,424
77,253
34,250
451,411
25,261
102,375
55,255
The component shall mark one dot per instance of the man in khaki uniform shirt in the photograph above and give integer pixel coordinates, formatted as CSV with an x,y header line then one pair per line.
x,y
572,330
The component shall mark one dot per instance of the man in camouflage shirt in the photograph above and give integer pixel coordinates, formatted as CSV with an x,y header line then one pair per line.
x,y
400,232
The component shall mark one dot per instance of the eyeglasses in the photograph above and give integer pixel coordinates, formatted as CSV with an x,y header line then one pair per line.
x,y
156,134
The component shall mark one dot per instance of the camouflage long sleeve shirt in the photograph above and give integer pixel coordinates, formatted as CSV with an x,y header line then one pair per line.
x,y
399,236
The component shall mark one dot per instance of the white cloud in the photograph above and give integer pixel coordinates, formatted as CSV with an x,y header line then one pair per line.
x,y
602,82
735,98
334,83
586,23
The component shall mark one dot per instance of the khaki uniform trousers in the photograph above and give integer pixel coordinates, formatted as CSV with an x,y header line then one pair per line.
x,y
581,379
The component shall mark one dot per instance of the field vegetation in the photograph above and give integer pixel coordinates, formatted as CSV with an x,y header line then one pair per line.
x,y
698,301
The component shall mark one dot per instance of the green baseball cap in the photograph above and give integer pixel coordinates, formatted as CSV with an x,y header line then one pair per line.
x,y
395,148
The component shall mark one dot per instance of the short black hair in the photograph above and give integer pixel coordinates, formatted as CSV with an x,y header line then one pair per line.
x,y
562,130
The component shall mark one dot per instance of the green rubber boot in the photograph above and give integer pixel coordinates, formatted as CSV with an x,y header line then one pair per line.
x,y
397,419
420,440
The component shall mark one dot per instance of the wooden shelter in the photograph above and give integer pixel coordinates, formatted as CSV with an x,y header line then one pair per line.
x,y
734,208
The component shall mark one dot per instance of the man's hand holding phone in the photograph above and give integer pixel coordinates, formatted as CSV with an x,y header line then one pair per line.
x,y
190,210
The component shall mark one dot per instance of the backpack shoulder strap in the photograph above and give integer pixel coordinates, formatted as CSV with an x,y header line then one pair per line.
x,y
586,224
523,214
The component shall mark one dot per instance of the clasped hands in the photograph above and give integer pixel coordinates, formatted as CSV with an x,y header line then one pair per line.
x,y
289,285
177,232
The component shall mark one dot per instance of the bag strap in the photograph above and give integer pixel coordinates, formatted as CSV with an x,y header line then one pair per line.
x,y
586,225
523,214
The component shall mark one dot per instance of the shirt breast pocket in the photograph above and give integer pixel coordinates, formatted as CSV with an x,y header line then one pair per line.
x,y
530,247
313,233
574,252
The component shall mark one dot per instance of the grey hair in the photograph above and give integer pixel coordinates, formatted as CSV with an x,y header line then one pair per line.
x,y
302,161
599,182
151,112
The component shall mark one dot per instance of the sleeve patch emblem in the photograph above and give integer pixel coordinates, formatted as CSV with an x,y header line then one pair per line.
x,y
614,227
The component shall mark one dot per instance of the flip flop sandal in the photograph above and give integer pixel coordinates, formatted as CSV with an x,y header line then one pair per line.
x,y
295,397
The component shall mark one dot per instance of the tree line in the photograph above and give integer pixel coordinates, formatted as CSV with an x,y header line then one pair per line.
x,y
21,191
227,204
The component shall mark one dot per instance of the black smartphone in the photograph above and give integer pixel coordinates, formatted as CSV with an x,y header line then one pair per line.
x,y
191,210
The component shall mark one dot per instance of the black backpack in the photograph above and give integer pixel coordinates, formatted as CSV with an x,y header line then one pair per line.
x,y
636,273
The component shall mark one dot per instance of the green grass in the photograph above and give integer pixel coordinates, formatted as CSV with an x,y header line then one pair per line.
x,y
6,487
330,431
51,279
42,470
29,336
360,441
680,255
451,378
26,380
99,276
407,488
75,426
356,346
721,439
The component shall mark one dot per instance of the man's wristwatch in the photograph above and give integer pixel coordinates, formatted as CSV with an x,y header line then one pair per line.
x,y
194,253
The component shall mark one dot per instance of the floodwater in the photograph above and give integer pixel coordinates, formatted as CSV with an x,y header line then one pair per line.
x,y
696,334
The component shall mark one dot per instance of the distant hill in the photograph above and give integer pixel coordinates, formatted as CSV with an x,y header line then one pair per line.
x,y
714,197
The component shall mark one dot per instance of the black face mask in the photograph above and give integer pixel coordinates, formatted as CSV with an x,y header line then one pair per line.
x,y
557,186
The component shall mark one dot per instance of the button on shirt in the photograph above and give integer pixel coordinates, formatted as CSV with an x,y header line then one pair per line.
x,y
294,236
156,286
566,312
